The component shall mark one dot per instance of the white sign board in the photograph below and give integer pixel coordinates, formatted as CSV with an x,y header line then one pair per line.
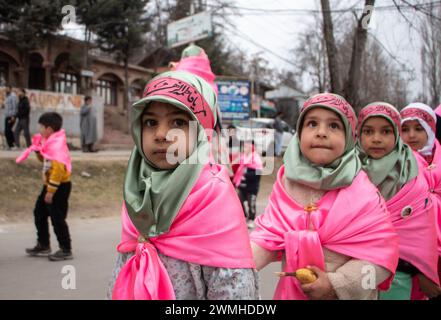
x,y
87,73
189,29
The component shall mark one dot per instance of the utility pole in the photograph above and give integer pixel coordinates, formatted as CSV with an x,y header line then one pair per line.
x,y
191,13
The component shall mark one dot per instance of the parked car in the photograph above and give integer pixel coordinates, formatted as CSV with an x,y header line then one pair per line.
x,y
261,131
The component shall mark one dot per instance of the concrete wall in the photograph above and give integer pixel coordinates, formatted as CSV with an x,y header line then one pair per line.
x,y
71,118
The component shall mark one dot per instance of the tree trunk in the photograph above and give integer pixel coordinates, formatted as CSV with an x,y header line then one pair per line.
x,y
358,48
126,89
331,48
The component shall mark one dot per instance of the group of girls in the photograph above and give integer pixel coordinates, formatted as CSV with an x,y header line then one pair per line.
x,y
356,202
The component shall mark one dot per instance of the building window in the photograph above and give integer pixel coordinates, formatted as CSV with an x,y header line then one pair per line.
x,y
67,83
107,90
4,73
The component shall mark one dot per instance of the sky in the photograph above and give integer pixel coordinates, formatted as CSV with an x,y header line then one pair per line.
x,y
275,35
278,33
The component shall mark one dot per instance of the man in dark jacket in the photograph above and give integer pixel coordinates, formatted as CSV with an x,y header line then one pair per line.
x,y
88,125
24,109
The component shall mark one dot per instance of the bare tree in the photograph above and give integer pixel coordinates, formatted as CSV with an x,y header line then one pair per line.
x,y
331,47
358,49
430,30
353,67
381,76
311,58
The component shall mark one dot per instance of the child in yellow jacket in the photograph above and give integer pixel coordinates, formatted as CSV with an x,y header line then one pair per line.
x,y
53,199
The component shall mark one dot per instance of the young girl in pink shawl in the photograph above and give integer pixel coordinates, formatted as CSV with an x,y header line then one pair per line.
x,y
324,214
392,167
247,178
183,231
419,123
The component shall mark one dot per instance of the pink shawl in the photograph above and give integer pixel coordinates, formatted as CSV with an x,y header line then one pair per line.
x,y
438,110
53,148
360,229
208,230
417,232
432,173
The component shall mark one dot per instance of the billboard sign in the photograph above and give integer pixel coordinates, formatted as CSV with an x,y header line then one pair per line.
x,y
234,99
189,29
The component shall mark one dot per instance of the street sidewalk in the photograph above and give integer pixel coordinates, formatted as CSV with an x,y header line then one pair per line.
x,y
104,155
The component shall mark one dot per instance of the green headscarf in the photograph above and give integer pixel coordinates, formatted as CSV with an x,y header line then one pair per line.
x,y
153,197
394,170
337,174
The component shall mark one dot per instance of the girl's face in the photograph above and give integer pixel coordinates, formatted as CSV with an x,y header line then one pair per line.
x,y
413,134
323,136
167,137
377,137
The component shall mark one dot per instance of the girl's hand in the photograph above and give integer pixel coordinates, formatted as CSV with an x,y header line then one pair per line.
x,y
428,287
321,289
48,197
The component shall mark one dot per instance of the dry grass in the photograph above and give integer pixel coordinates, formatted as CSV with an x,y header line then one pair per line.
x,y
97,196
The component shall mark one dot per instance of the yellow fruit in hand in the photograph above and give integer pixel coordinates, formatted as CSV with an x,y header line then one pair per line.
x,y
305,276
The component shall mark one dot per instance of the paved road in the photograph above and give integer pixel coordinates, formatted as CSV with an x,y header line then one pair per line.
x,y
94,242
24,277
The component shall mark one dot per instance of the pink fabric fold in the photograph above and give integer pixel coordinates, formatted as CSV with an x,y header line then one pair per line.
x,y
432,173
209,230
438,110
251,160
359,229
200,66
53,148
417,232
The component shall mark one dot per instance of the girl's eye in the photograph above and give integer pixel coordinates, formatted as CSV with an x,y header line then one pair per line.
x,y
311,123
367,131
150,123
419,128
334,125
179,122
387,131
404,129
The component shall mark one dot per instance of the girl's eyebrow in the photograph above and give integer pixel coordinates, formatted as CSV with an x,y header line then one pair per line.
x,y
383,127
316,118
175,112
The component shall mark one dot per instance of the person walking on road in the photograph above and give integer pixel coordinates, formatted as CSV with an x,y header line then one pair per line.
x,y
24,110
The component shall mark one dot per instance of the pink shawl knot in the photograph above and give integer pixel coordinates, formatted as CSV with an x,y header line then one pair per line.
x,y
53,148
143,277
